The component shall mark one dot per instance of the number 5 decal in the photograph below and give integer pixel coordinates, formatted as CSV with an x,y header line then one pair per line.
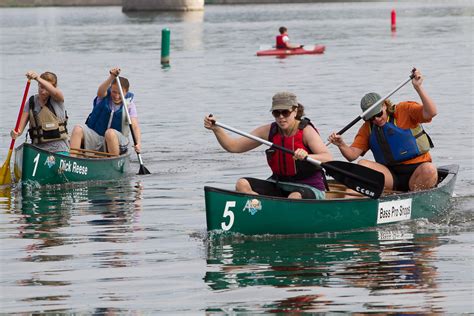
x,y
228,213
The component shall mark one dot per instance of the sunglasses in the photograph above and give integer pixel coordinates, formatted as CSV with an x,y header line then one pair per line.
x,y
376,115
285,113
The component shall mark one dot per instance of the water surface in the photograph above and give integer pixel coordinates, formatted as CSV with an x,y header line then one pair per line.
x,y
139,244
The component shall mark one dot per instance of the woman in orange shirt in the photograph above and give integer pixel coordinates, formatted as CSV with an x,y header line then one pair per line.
x,y
397,140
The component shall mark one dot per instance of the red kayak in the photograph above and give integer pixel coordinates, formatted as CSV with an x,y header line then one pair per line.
x,y
306,50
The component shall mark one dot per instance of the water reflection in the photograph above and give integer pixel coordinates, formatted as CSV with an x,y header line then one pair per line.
x,y
5,197
63,225
382,262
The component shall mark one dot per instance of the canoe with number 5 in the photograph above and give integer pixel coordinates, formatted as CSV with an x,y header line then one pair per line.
x,y
234,212
44,167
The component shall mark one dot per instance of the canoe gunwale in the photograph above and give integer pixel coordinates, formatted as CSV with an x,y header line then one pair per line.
x,y
72,157
447,173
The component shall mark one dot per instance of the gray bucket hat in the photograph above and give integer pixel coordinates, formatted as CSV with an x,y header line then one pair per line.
x,y
367,101
284,101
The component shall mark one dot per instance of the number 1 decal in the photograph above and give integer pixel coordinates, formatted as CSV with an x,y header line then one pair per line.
x,y
230,214
36,160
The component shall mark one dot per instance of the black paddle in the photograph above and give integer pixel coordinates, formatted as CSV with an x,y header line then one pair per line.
x,y
143,169
364,180
365,115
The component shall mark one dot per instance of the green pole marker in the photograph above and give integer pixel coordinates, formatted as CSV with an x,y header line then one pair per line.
x,y
165,46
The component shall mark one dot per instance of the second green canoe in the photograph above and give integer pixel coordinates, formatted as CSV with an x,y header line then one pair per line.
x,y
233,212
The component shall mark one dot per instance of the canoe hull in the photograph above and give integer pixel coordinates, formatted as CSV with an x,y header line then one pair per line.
x,y
44,167
318,49
230,211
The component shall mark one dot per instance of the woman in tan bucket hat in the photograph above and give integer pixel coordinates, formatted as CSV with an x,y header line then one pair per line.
x,y
289,130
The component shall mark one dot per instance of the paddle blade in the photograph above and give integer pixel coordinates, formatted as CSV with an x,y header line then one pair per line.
x,y
143,170
5,173
364,180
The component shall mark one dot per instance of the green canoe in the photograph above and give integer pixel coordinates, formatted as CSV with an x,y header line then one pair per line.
x,y
44,167
233,212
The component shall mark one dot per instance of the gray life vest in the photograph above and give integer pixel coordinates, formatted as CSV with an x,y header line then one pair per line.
x,y
45,126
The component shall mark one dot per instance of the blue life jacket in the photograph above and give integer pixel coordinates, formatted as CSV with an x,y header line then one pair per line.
x,y
392,145
98,119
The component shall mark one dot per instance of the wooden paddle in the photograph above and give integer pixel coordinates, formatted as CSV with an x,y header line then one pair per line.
x,y
143,169
359,178
5,173
367,114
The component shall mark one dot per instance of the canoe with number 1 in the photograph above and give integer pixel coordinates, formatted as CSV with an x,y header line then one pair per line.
x,y
44,167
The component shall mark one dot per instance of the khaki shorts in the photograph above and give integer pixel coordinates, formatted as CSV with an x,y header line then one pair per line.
x,y
94,141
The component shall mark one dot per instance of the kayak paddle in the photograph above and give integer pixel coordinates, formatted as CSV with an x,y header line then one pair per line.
x,y
364,180
143,169
365,115
5,173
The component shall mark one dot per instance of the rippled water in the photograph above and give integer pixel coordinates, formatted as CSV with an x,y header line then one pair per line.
x,y
140,245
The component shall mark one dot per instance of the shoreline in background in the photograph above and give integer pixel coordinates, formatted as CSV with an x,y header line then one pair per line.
x,y
85,3
58,3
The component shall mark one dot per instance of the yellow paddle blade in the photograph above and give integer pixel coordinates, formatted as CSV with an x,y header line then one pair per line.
x,y
5,173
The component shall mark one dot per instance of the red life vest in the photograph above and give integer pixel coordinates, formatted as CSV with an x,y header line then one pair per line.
x,y
284,167
279,42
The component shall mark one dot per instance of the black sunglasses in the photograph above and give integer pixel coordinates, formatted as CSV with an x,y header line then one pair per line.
x,y
376,115
285,113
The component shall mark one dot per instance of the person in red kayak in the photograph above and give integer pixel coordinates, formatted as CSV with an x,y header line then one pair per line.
x,y
283,41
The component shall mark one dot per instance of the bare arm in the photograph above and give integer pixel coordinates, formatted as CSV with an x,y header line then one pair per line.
x,y
54,92
236,145
350,153
21,127
429,107
104,86
137,133
316,144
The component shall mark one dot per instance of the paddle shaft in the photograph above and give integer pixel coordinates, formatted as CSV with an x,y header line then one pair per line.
x,y
128,118
370,182
23,101
373,106
266,142
5,175
289,151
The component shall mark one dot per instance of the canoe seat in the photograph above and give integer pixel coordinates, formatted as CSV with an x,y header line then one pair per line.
x,y
87,153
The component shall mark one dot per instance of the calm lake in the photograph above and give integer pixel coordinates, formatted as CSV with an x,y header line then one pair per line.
x,y
140,245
